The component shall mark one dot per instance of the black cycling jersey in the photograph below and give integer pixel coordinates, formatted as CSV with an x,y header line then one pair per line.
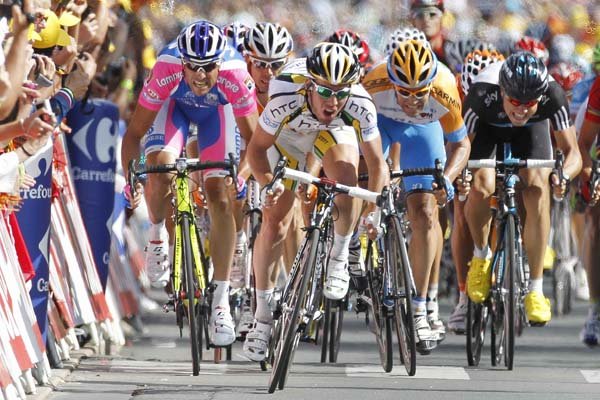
x,y
483,103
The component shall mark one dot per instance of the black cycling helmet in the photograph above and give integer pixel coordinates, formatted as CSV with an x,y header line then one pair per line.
x,y
523,76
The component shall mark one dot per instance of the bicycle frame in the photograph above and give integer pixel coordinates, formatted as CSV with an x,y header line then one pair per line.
x,y
184,205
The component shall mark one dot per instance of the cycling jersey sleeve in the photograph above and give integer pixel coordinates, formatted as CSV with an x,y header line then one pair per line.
x,y
238,87
479,95
592,112
162,81
555,106
279,110
445,92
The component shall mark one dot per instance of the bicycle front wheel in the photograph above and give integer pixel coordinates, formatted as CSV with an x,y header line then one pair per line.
x,y
399,267
381,324
288,324
510,314
477,318
190,288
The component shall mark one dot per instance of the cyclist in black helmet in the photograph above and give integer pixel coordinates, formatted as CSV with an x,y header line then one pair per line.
x,y
515,101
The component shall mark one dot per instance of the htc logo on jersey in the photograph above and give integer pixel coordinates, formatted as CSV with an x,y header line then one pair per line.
x,y
353,106
284,108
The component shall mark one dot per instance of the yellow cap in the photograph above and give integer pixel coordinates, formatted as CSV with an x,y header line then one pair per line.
x,y
52,35
68,19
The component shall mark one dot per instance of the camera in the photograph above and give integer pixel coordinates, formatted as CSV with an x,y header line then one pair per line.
x,y
6,9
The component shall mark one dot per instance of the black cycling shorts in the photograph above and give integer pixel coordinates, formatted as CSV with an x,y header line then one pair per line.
x,y
531,141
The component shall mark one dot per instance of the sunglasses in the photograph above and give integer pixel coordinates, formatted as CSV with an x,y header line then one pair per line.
x,y
406,93
327,93
430,13
518,103
275,65
206,68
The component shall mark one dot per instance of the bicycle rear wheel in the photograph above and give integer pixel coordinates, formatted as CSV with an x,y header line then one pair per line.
x,y
399,267
190,287
288,324
332,329
382,324
477,318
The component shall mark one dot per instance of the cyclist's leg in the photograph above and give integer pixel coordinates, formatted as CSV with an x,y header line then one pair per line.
x,y
216,139
462,252
590,334
533,141
267,252
478,215
339,150
421,145
162,144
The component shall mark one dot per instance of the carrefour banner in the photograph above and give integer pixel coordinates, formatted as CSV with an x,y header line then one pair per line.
x,y
92,151
34,221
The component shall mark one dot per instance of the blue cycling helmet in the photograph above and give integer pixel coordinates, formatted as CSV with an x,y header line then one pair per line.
x,y
523,76
201,42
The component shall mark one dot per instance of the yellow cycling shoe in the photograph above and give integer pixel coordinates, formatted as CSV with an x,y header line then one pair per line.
x,y
549,257
479,279
537,308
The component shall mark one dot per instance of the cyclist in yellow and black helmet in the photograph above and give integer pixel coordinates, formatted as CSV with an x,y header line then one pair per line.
x,y
418,105
315,106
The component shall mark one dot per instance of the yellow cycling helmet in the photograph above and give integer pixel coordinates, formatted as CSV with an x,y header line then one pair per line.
x,y
412,65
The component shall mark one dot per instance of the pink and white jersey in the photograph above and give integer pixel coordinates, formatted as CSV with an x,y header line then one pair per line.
x,y
234,86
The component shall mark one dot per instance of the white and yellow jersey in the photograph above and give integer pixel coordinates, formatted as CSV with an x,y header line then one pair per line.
x,y
287,115
443,105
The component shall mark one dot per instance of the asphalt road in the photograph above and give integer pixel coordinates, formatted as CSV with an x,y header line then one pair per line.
x,y
550,363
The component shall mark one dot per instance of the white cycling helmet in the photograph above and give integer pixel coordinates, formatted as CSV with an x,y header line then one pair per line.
x,y
474,63
268,41
403,34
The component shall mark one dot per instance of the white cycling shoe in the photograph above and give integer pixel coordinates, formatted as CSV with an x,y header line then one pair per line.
x,y
221,329
157,262
338,279
256,345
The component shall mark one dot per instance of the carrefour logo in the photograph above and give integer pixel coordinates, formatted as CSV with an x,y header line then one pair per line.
x,y
104,141
37,192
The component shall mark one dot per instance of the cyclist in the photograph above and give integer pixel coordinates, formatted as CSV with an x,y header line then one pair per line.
x,y
419,106
316,106
512,102
267,47
589,133
193,82
426,15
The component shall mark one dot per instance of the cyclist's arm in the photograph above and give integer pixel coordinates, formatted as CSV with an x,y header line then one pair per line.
x,y
140,122
377,167
458,156
246,125
567,142
587,137
256,153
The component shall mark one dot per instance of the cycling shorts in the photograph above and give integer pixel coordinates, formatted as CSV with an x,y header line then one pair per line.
x,y
318,143
420,146
217,132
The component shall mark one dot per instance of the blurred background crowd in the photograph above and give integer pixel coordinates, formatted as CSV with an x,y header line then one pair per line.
x,y
81,49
